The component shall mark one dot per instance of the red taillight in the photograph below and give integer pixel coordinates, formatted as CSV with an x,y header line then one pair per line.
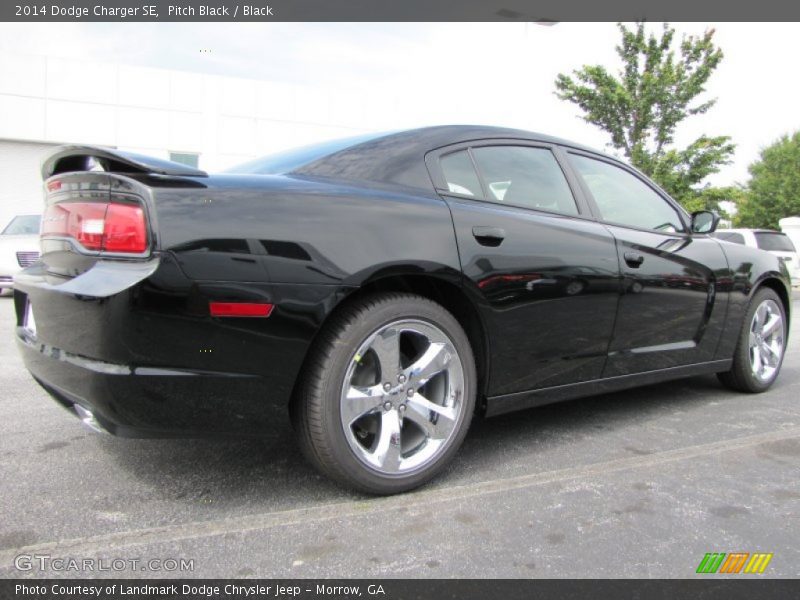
x,y
239,309
125,229
98,226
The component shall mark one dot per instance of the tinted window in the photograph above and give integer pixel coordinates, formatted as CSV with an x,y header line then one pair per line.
x,y
774,241
528,177
290,160
460,174
285,249
729,236
625,199
23,225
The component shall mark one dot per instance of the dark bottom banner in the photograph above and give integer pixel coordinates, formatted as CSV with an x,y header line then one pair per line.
x,y
398,589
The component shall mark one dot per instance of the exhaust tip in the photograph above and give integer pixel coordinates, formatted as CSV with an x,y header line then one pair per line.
x,y
88,419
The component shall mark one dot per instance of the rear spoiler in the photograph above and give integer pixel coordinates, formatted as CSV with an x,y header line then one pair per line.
x,y
87,158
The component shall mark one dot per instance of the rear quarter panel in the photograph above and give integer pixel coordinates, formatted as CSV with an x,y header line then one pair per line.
x,y
301,231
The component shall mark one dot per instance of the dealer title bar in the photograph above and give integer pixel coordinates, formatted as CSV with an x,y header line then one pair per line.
x,y
533,11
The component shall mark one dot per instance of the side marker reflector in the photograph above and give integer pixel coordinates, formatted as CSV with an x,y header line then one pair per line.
x,y
240,309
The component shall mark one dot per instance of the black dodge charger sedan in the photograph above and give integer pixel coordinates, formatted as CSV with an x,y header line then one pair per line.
x,y
378,292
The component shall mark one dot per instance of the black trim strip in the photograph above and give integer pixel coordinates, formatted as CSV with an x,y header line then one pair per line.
x,y
499,405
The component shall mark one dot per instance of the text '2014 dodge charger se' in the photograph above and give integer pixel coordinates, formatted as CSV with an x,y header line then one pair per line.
x,y
378,292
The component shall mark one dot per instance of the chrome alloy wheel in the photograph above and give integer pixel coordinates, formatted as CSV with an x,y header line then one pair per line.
x,y
402,396
766,340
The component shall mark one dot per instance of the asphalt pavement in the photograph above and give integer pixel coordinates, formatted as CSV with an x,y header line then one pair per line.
x,y
641,483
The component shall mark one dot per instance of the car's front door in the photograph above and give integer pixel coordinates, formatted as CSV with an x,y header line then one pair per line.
x,y
670,312
544,272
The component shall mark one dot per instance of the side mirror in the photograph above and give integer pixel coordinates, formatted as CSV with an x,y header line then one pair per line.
x,y
704,221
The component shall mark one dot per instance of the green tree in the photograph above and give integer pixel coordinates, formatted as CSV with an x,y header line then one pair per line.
x,y
774,188
644,103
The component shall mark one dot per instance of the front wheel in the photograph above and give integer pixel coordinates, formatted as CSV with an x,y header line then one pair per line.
x,y
387,394
762,341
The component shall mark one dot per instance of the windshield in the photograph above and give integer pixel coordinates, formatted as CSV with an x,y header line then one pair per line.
x,y
289,160
774,241
23,225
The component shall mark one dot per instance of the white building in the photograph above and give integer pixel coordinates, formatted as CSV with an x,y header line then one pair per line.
x,y
791,227
207,120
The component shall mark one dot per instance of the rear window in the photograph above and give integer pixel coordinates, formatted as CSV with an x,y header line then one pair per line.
x,y
23,225
291,160
730,236
774,241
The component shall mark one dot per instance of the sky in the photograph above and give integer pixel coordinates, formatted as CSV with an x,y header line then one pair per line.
x,y
440,73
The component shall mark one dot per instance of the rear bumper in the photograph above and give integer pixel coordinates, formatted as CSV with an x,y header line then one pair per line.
x,y
132,401
148,360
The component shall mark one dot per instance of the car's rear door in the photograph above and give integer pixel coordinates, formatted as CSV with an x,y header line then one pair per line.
x,y
544,272
671,311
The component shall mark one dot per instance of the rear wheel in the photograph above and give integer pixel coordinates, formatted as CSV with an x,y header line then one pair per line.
x,y
388,393
762,341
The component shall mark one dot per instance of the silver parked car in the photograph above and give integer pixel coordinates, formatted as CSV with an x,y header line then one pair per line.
x,y
19,248
774,242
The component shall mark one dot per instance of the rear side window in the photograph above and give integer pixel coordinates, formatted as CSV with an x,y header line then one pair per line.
x,y
730,236
779,242
526,177
625,199
460,174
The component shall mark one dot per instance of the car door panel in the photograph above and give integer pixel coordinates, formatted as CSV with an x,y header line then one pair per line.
x,y
545,273
671,310
548,293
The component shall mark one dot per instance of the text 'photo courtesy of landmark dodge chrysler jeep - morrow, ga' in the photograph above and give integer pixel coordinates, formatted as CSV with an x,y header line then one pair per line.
x,y
379,292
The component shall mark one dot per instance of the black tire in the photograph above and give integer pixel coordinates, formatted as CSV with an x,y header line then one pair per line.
x,y
741,377
316,413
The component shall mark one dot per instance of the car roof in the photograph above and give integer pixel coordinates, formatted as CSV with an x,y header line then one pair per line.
x,y
444,135
397,157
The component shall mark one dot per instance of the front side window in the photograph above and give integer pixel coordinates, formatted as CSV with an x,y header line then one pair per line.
x,y
526,177
625,199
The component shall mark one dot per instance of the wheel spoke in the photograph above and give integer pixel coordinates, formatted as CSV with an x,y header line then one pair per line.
x,y
436,421
424,407
386,346
360,401
771,325
432,362
387,452
769,355
752,340
757,362
761,314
